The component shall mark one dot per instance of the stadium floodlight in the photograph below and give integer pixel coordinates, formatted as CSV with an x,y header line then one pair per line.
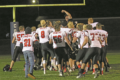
x,y
33,1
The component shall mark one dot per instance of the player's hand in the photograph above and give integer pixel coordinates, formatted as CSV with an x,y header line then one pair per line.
x,y
62,11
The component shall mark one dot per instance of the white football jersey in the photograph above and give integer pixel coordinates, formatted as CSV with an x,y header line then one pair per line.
x,y
27,41
94,24
68,31
93,36
80,35
58,39
18,36
51,29
33,33
43,34
103,35
74,31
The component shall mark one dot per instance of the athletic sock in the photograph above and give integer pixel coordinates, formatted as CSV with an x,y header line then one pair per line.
x,y
96,69
79,66
93,70
86,69
101,70
81,71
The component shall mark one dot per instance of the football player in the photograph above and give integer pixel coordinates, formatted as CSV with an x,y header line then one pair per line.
x,y
81,36
94,37
58,39
43,34
103,37
71,35
68,17
17,37
33,28
50,26
90,21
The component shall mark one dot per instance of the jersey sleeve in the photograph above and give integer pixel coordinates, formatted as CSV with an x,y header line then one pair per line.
x,y
77,34
33,38
37,31
86,33
106,34
14,34
64,33
70,31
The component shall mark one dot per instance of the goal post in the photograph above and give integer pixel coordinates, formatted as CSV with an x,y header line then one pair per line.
x,y
44,5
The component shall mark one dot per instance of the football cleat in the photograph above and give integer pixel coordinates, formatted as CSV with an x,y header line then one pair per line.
x,y
110,67
31,76
60,74
10,70
80,75
45,71
70,70
96,74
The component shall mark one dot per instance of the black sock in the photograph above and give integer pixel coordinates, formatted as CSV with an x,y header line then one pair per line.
x,y
81,71
96,69
108,65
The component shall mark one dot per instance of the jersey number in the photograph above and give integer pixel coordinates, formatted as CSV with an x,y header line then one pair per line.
x,y
57,39
42,34
103,37
27,42
93,37
19,36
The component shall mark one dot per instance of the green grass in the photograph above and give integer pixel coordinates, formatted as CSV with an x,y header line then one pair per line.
x,y
18,73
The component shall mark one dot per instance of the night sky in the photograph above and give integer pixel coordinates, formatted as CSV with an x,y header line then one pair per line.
x,y
26,16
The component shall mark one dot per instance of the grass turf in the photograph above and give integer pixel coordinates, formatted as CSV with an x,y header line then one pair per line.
x,y
19,74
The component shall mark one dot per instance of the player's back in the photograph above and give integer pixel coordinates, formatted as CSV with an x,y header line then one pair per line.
x,y
58,39
27,41
94,24
51,29
103,35
18,36
43,34
66,30
82,38
94,36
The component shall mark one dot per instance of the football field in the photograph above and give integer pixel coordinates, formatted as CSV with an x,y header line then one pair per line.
x,y
19,74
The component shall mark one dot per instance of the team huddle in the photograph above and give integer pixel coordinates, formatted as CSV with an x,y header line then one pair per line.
x,y
62,47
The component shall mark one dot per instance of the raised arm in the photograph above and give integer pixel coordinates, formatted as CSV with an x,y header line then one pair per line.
x,y
67,13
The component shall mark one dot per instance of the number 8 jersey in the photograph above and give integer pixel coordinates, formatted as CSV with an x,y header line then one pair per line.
x,y
43,34
58,39
27,41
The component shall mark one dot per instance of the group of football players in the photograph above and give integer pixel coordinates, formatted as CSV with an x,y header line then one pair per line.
x,y
63,46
